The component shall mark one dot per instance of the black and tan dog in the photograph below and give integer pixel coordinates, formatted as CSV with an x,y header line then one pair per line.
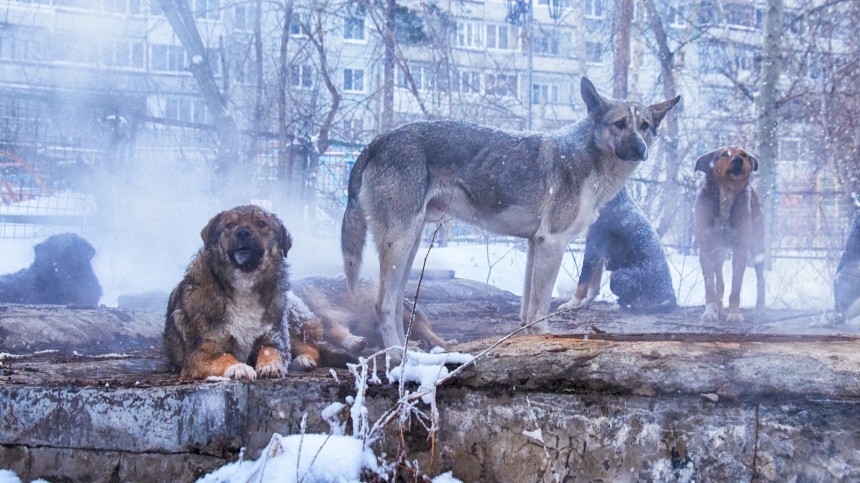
x,y
545,187
61,274
846,285
729,217
624,242
349,319
227,316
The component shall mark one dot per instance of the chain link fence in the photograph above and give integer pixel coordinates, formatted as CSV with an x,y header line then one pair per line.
x,y
54,184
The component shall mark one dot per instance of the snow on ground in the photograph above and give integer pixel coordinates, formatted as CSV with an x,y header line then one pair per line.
x,y
308,457
793,283
337,457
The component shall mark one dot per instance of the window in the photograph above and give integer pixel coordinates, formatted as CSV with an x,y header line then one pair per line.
x,y
353,28
468,35
167,58
82,4
242,18
206,8
712,57
677,13
353,80
467,82
23,47
502,37
424,76
717,100
122,6
296,23
301,76
502,84
547,44
185,109
593,52
746,58
545,94
707,13
594,8
742,16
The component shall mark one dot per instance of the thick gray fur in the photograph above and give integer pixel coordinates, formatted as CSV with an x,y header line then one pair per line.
x,y
546,187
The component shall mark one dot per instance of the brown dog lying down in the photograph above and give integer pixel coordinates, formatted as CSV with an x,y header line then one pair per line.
x,y
350,321
226,316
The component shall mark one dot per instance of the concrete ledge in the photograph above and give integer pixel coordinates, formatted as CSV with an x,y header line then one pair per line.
x,y
713,405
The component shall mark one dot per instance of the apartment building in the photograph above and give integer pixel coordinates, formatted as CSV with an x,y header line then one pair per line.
x,y
85,77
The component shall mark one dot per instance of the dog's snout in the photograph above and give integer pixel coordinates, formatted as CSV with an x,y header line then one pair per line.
x,y
737,161
641,150
243,234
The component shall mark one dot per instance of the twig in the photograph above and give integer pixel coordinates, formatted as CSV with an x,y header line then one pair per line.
x,y
388,416
319,450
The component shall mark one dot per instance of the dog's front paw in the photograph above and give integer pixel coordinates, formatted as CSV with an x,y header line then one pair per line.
x,y
735,318
354,344
574,303
271,370
304,362
240,371
711,314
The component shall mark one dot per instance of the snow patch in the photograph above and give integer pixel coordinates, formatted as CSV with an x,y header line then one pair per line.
x,y
426,370
308,457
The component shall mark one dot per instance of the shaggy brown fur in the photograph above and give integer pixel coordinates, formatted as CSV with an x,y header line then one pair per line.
x,y
728,217
226,316
349,320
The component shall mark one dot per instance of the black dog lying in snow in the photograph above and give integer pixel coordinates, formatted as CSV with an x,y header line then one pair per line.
x,y
624,242
846,285
61,274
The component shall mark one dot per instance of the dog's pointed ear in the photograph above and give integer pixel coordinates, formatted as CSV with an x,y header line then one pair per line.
x,y
210,233
593,101
658,111
285,241
753,160
705,163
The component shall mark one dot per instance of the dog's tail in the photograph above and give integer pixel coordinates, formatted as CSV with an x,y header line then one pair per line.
x,y
353,230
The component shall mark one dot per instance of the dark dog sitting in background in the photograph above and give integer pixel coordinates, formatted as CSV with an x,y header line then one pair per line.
x,y
349,320
60,274
624,242
846,285
729,218
229,316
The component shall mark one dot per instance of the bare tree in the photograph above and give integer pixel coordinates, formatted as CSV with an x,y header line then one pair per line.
x,y
768,115
624,21
672,189
181,20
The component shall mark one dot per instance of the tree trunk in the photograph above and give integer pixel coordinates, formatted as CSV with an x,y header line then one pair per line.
x,y
622,48
388,67
258,87
179,15
768,120
672,190
283,74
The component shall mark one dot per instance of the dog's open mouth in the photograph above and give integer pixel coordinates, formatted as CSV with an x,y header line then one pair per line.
x,y
736,172
242,255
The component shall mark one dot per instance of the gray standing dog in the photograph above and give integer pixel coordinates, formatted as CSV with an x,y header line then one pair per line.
x,y
544,187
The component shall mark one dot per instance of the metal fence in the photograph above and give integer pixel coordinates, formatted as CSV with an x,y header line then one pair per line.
x,y
53,186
